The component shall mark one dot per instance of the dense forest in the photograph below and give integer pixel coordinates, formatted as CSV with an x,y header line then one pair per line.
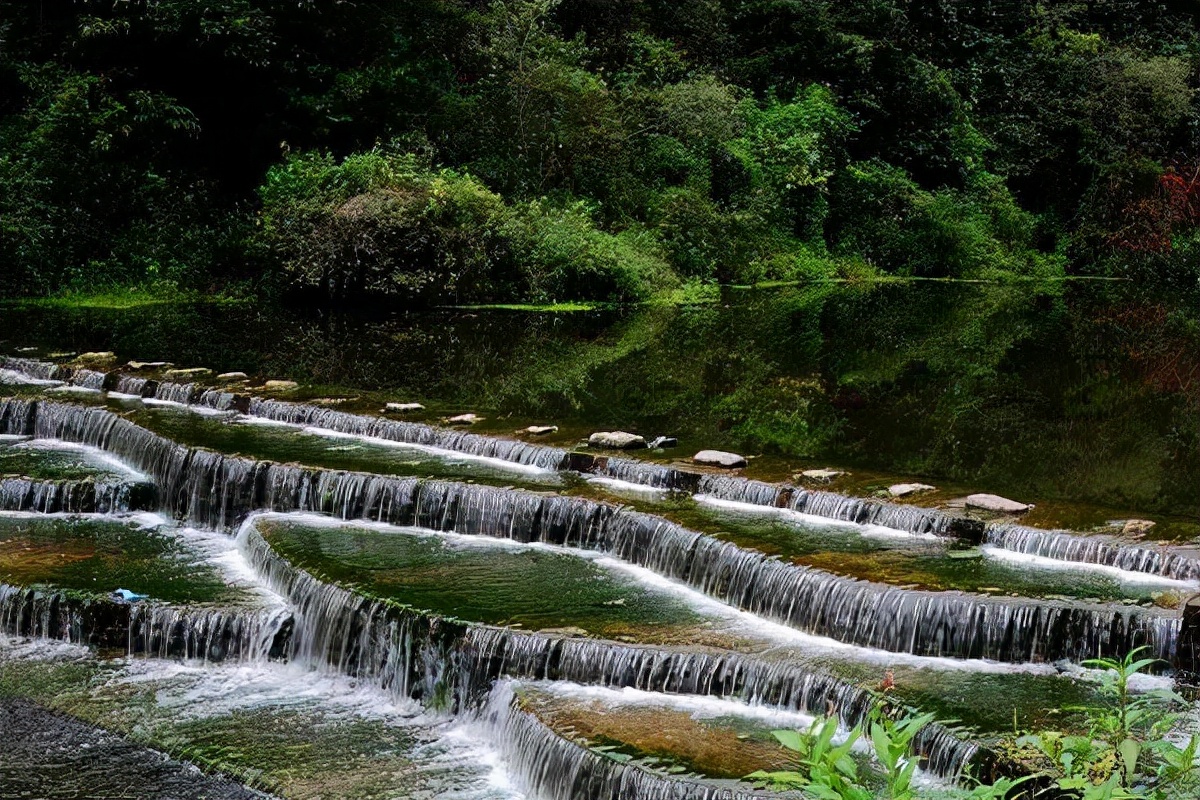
x,y
553,150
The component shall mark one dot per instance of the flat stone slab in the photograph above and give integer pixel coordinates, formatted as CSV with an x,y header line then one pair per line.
x,y
189,374
616,440
719,458
996,503
822,474
139,365
463,419
402,408
231,377
281,386
541,430
905,489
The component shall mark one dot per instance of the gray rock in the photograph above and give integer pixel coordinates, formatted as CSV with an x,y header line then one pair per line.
x,y
190,374
664,441
541,430
463,419
402,408
905,489
996,503
139,365
281,386
822,474
616,440
719,458
232,377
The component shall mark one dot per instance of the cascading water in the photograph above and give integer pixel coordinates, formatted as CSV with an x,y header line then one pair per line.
x,y
39,370
89,379
133,385
864,511
182,393
217,491
518,452
554,768
75,497
455,664
1066,546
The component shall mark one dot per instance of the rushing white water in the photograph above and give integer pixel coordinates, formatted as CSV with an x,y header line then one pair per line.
x,y
1123,576
788,515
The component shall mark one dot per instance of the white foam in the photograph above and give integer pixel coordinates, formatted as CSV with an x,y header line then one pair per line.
x,y
11,376
628,489
93,454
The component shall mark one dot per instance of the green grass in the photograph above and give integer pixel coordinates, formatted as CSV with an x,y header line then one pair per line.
x,y
121,298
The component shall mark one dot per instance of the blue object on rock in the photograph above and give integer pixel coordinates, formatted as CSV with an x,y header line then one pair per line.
x,y
128,596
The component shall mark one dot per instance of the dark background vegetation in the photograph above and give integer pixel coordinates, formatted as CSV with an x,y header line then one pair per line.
x,y
547,150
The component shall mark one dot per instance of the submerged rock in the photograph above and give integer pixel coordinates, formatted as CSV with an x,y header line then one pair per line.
x,y
463,419
664,441
1136,527
231,377
190,374
719,458
140,365
402,408
905,489
616,440
996,503
541,430
826,474
281,386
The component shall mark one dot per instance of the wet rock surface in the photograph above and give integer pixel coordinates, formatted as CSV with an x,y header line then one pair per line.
x,y
616,440
996,504
719,458
52,756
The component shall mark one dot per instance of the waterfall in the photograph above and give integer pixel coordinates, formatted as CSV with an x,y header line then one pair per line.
x,y
534,455
209,634
455,664
864,511
16,416
554,768
1066,546
133,385
38,370
167,631
217,399
648,473
216,491
182,393
75,497
743,490
89,379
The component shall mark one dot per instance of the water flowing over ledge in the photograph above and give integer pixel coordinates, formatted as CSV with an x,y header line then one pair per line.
x,y
1099,550
453,664
208,634
217,491
76,496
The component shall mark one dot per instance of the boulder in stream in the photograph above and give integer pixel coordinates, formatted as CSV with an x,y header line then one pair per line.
x,y
719,458
997,504
616,440
463,419
541,430
826,474
905,489
280,386
402,408
233,377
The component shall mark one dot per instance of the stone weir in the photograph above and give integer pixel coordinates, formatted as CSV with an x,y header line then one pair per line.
x,y
1102,550
210,634
217,491
554,768
76,496
735,488
454,665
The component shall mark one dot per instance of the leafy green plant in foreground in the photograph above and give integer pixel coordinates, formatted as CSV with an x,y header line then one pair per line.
x,y
1123,755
